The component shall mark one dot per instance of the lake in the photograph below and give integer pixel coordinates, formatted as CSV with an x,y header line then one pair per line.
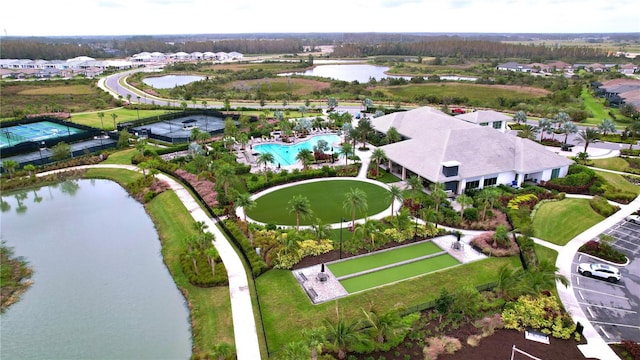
x,y
100,287
171,81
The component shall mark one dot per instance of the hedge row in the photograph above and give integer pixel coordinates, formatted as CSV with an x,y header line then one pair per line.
x,y
258,265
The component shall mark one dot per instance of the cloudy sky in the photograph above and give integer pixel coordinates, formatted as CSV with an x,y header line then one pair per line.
x,y
150,17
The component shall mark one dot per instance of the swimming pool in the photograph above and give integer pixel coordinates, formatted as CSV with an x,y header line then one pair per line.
x,y
285,154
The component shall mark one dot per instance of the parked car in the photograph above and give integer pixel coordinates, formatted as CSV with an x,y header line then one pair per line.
x,y
602,271
458,111
633,218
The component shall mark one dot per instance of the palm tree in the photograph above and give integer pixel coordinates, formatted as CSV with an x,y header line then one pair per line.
x,y
488,196
520,116
416,186
320,230
384,326
569,128
300,205
265,159
393,135
355,199
378,156
30,169
588,135
546,126
245,201
212,254
438,193
607,126
364,128
544,277
395,194
369,232
342,334
529,132
114,116
225,175
346,150
315,340
101,116
509,286
193,256
305,156
10,166
464,201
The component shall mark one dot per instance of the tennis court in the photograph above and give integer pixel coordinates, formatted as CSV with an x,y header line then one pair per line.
x,y
179,130
37,131
397,273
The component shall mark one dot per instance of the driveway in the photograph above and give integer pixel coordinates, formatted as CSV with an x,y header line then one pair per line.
x,y
613,309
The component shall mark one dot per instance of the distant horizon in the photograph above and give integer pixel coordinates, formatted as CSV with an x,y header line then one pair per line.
x,y
191,17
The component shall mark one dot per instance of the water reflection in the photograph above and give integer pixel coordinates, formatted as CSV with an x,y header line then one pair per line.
x,y
68,187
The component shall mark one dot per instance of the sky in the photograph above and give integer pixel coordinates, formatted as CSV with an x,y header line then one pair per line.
x,y
153,17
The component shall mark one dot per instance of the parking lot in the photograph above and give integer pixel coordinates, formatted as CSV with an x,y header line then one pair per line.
x,y
613,308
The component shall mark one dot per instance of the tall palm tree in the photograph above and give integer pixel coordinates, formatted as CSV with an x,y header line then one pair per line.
x,y
569,128
265,159
114,116
464,201
546,126
10,166
607,126
300,205
364,129
395,194
101,116
212,254
225,175
587,136
378,155
346,150
320,230
416,186
487,197
438,193
305,156
245,201
355,199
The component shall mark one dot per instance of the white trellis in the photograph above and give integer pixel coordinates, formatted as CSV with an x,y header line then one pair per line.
x,y
515,350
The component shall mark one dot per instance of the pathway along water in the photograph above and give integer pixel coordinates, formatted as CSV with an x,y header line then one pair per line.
x,y
101,289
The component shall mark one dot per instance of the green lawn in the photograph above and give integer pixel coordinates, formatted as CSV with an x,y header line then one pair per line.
x,y
560,221
383,258
613,163
597,108
475,92
123,114
326,199
284,302
387,177
618,181
122,176
121,157
397,273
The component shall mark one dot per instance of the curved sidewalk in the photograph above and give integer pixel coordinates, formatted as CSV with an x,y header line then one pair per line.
x,y
244,325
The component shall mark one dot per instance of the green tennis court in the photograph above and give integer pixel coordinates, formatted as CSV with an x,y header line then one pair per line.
x,y
397,273
383,258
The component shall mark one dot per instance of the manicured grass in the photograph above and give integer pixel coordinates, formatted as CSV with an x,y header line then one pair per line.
x,y
123,115
613,163
210,308
387,177
122,176
560,221
284,302
397,273
121,157
383,258
600,112
618,181
326,199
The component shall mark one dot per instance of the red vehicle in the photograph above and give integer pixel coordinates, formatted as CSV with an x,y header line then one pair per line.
x,y
458,111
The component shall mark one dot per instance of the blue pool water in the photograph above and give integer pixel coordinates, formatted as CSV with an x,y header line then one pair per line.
x,y
285,154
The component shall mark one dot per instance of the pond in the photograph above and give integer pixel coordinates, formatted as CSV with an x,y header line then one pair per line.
x,y
171,81
361,73
100,287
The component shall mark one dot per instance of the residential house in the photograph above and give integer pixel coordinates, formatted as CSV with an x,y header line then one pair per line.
x,y
489,118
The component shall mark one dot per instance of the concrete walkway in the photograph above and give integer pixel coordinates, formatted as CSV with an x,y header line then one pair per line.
x,y
244,324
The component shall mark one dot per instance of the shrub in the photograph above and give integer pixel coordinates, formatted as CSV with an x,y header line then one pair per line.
x,y
440,345
471,214
632,348
602,206
486,243
542,313
603,250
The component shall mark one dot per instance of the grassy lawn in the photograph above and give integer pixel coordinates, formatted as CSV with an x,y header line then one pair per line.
x,y
122,157
482,93
387,177
614,163
210,313
284,302
397,273
619,181
326,199
383,258
560,221
123,115
596,107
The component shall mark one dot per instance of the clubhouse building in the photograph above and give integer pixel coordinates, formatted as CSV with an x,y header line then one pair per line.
x,y
440,148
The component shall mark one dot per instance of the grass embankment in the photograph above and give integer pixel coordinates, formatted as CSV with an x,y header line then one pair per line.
x,y
210,307
122,157
618,181
559,222
284,302
122,115
326,199
613,163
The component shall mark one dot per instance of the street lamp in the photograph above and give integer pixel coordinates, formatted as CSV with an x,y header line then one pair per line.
x,y
341,221
415,231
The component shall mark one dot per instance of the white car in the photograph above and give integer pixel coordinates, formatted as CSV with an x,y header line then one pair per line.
x,y
633,218
602,271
